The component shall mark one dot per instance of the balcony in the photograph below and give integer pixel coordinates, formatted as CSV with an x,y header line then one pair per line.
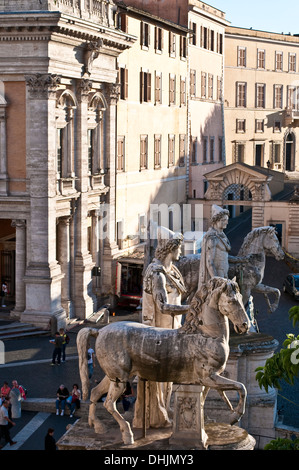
x,y
291,116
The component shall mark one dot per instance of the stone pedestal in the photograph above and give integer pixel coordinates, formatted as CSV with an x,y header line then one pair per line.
x,y
188,417
247,353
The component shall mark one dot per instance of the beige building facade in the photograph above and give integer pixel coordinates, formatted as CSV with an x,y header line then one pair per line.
x,y
59,92
261,99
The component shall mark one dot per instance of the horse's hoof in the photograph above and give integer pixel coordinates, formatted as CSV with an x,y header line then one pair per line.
x,y
99,428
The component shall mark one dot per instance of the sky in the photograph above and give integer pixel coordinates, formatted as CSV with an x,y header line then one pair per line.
x,y
275,16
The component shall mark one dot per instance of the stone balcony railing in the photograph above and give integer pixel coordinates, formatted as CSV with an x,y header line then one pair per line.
x,y
98,11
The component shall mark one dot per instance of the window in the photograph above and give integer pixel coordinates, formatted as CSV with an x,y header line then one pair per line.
x,y
241,95
210,83
212,149
240,126
158,88
123,80
193,149
144,35
192,83
122,22
193,38
292,97
260,58
203,85
212,40
59,152
278,61
259,125
182,91
292,62
220,43
182,149
205,149
220,149
183,47
172,44
276,152
143,151
219,88
241,56
260,95
120,153
171,89
158,39
145,87
96,132
278,96
157,151
171,150
204,37
277,126
239,152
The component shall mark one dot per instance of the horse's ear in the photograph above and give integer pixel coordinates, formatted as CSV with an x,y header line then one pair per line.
x,y
234,279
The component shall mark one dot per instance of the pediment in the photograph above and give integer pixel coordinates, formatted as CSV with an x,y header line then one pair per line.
x,y
239,177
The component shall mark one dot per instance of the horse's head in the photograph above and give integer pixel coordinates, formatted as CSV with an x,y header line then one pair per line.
x,y
272,245
228,300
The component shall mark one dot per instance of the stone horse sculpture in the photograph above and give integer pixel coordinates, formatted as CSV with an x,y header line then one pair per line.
x,y
259,243
196,353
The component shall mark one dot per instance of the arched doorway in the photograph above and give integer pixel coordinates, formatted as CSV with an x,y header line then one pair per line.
x,y
290,152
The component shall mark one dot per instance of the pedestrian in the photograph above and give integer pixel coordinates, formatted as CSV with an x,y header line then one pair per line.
x,y
15,400
90,361
5,390
61,397
20,388
75,400
6,423
66,340
57,348
50,443
4,293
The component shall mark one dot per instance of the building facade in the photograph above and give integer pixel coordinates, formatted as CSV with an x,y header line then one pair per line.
x,y
59,93
261,99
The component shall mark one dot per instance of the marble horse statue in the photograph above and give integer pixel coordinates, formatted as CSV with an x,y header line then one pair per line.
x,y
259,243
195,353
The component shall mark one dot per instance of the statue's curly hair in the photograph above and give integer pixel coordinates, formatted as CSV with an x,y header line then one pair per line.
x,y
219,216
171,245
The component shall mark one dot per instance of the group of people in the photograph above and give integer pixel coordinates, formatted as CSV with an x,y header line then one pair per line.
x,y
72,400
60,342
10,408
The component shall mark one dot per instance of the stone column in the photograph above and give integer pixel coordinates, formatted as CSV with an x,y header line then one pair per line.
x,y
84,300
20,226
43,274
63,249
3,162
110,245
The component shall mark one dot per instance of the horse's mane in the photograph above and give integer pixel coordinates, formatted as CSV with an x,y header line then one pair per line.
x,y
251,238
215,287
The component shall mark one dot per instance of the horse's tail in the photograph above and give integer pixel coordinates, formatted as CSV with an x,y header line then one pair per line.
x,y
82,347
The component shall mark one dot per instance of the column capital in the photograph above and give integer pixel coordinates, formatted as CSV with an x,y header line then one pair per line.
x,y
42,86
113,92
20,223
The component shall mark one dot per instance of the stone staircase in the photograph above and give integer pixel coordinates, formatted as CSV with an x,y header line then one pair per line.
x,y
19,330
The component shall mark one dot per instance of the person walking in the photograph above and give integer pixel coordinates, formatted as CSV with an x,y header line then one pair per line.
x,y
6,423
90,361
57,348
64,342
50,443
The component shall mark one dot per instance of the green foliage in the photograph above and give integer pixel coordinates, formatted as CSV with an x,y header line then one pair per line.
x,y
283,444
294,315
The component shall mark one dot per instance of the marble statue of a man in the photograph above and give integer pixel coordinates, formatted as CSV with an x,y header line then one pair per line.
x,y
163,287
215,248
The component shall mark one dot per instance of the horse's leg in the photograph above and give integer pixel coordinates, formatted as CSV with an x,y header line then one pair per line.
x,y
221,384
266,290
115,391
95,395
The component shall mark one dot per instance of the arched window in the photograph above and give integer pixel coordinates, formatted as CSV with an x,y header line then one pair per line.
x,y
237,192
290,152
65,114
96,134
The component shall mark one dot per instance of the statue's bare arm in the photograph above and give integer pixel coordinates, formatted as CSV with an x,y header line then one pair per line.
x,y
210,256
161,297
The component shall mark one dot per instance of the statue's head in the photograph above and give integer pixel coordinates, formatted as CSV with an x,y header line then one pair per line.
x,y
168,242
219,214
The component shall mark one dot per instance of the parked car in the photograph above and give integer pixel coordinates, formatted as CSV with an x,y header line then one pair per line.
x,y
291,285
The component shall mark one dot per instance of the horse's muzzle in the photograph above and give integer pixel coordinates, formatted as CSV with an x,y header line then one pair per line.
x,y
241,329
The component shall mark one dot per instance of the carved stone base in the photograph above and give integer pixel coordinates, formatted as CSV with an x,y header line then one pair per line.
x,y
188,417
226,437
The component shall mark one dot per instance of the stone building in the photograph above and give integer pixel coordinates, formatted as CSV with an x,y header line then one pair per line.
x,y
261,99
58,98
